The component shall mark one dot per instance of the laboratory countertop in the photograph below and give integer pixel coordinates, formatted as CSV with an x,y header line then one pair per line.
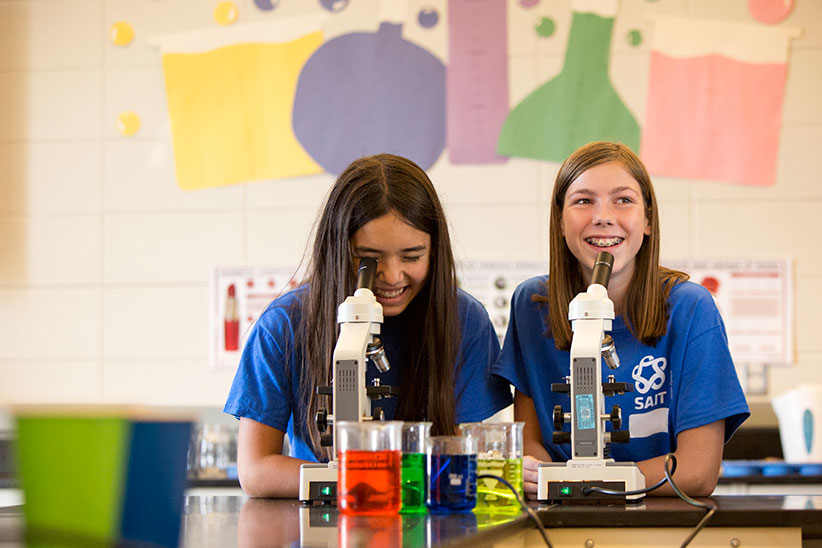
x,y
233,520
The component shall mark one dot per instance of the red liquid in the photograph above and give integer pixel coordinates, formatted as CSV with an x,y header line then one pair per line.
x,y
369,482
369,531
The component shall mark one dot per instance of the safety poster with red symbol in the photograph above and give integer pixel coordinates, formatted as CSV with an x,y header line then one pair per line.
x,y
238,297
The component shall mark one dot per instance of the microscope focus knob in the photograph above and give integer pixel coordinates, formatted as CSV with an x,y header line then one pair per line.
x,y
616,417
620,436
562,437
321,419
559,417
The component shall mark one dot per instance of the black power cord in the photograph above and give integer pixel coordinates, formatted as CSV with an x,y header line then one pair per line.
x,y
670,468
533,515
711,509
657,485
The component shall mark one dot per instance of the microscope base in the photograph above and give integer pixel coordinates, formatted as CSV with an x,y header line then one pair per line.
x,y
564,481
318,482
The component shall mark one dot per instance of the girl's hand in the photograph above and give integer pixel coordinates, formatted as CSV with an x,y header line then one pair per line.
x,y
529,476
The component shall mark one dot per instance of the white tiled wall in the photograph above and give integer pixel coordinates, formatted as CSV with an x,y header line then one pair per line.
x,y
105,262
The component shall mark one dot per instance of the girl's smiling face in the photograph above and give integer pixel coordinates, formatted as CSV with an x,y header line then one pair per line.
x,y
603,210
403,256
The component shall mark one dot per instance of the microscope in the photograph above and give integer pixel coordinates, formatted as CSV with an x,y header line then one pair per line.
x,y
591,314
360,318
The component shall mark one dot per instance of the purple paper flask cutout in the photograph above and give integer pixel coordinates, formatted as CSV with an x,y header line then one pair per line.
x,y
366,93
477,80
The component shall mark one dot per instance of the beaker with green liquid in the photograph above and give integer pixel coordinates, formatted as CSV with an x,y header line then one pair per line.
x,y
415,449
499,453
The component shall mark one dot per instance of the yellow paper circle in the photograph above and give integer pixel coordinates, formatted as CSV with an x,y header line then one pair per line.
x,y
226,13
121,33
128,123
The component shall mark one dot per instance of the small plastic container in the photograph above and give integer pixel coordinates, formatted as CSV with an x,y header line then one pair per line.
x,y
740,468
813,469
779,468
453,474
369,467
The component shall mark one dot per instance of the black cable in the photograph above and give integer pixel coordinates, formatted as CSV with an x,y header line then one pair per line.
x,y
669,468
603,491
711,509
670,459
533,515
657,485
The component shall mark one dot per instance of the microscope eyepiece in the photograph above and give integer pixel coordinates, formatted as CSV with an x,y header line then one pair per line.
x,y
367,273
602,268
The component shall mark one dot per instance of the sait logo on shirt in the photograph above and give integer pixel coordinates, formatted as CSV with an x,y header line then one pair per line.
x,y
649,374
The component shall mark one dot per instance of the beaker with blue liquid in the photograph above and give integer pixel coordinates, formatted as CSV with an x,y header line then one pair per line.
x,y
452,474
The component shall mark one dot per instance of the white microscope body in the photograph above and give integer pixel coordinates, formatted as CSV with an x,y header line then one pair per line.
x,y
360,317
591,314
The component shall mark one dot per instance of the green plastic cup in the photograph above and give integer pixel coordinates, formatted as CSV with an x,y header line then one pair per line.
x,y
101,475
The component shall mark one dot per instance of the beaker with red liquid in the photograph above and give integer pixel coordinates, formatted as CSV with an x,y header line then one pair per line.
x,y
370,453
366,531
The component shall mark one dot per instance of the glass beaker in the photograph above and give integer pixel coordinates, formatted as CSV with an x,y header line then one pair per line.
x,y
365,531
499,453
368,480
453,474
415,448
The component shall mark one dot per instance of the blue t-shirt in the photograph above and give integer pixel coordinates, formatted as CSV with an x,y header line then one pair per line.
x,y
262,391
687,380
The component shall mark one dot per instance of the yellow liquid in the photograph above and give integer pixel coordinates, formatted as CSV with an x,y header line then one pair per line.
x,y
495,494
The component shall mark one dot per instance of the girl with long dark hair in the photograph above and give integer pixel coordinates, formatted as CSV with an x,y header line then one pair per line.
x,y
438,339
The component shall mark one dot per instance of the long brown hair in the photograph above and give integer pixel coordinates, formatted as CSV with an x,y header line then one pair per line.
x,y
646,299
369,188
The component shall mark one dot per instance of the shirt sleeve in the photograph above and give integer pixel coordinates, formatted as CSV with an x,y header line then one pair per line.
x,y
511,363
479,394
261,390
708,387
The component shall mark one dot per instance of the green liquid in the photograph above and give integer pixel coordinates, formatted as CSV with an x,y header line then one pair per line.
x,y
495,494
414,483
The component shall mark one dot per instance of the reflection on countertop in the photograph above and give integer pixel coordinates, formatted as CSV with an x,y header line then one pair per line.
x,y
225,521
277,522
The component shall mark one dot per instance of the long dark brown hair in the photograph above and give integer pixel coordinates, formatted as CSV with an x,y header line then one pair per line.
x,y
368,189
646,299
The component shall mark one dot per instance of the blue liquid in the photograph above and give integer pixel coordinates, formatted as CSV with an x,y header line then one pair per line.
x,y
453,483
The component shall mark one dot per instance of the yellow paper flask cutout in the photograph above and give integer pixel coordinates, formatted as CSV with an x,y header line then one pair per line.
x,y
230,109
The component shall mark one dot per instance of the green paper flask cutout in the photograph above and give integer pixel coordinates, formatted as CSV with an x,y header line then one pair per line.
x,y
577,106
